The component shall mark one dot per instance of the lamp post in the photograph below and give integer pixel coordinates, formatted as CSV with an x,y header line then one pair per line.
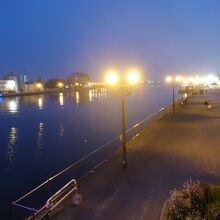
x,y
173,98
173,81
123,88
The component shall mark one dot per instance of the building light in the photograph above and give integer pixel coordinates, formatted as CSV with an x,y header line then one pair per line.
x,y
39,85
11,85
60,84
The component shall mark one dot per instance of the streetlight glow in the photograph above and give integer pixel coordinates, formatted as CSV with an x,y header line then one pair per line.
x,y
178,79
112,78
133,77
169,79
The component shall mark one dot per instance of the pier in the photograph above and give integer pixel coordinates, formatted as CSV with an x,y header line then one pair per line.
x,y
168,152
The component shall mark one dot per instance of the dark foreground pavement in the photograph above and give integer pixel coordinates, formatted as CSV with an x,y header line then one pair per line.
x,y
167,153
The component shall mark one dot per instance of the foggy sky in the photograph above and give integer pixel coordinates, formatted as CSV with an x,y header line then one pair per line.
x,y
53,38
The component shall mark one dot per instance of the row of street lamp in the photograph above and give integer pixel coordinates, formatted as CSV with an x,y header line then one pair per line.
x,y
193,80
123,86
190,81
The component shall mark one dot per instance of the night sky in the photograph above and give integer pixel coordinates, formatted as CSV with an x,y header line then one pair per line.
x,y
53,38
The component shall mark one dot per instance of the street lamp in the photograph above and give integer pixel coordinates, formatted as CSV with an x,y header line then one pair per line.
x,y
173,81
123,87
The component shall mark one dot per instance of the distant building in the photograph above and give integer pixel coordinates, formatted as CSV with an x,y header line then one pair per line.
x,y
8,86
78,79
9,83
36,86
55,83
23,78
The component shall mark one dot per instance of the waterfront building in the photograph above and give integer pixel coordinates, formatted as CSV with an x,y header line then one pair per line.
x,y
36,86
8,86
55,83
78,80
23,78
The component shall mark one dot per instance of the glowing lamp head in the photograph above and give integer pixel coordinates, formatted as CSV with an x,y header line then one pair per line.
x,y
169,79
112,78
60,84
184,81
133,77
190,79
178,79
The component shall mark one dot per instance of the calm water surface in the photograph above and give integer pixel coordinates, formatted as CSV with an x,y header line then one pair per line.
x,y
42,134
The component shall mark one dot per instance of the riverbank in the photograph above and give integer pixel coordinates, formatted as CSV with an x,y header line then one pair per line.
x,y
47,91
33,93
170,151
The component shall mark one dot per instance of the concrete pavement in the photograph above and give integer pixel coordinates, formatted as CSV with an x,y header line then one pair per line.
x,y
167,153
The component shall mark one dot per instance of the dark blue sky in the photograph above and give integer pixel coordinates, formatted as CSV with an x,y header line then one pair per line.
x,y
49,38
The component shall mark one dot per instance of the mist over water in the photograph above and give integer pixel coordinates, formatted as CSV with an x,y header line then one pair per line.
x,y
43,134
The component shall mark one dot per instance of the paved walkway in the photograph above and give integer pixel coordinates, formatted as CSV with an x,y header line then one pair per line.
x,y
166,154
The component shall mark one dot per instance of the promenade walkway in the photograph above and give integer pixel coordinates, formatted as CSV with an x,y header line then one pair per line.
x,y
167,153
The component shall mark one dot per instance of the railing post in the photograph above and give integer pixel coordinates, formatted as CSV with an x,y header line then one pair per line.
x,y
47,217
33,215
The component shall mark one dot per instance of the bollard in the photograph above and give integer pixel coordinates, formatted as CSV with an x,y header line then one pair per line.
x,y
77,199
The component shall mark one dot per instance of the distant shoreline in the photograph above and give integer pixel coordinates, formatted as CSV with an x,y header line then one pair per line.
x,y
42,92
30,93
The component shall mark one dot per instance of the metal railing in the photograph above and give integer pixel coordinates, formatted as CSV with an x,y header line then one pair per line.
x,y
33,201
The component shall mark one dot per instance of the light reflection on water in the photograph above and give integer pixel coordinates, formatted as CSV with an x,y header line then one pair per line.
x,y
12,104
61,132
40,103
11,145
61,99
90,95
40,143
77,97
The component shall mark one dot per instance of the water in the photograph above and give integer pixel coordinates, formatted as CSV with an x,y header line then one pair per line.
x,y
42,134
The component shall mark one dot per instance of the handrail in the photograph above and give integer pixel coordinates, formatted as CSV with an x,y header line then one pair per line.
x,y
66,169
72,182
25,207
